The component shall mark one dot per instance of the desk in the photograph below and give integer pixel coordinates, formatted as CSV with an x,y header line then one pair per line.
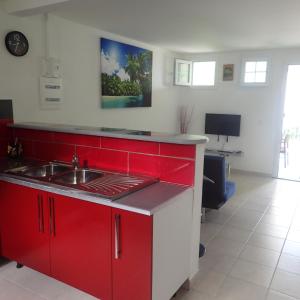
x,y
224,152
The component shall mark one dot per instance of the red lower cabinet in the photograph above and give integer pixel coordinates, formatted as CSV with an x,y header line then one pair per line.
x,y
80,244
24,226
103,251
132,256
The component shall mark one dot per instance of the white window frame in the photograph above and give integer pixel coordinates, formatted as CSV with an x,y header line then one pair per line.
x,y
215,78
243,70
190,63
190,66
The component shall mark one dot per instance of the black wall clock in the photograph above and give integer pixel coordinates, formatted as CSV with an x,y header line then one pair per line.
x,y
16,43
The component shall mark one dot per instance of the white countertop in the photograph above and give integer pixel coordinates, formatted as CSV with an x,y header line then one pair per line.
x,y
187,139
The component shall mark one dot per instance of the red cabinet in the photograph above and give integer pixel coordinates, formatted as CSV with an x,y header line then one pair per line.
x,y
81,244
103,251
24,226
132,256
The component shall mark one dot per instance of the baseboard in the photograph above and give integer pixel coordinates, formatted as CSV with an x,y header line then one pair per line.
x,y
244,172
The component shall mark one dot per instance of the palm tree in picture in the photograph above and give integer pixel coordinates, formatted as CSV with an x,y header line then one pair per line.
x,y
132,68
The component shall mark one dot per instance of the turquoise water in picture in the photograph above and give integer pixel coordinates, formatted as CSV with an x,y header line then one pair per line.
x,y
122,101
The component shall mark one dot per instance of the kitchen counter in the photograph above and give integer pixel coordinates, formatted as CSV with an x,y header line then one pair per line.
x,y
187,139
147,201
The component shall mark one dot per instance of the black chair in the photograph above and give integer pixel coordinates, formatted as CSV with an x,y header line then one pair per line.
x,y
217,190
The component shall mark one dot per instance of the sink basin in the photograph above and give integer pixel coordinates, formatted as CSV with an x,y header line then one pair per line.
x,y
80,176
46,170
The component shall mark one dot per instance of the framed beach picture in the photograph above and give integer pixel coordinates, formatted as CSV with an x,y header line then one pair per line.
x,y
126,75
228,72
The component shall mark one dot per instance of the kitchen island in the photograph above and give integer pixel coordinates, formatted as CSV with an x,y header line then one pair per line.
x,y
151,236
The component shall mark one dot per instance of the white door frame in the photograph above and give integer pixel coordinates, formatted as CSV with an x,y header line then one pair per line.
x,y
279,115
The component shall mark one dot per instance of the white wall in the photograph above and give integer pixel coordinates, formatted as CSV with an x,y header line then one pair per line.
x,y
77,47
260,107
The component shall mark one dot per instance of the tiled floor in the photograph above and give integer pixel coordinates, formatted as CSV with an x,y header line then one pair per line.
x,y
253,244
253,251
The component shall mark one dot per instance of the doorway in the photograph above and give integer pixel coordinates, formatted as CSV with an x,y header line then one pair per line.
x,y
289,158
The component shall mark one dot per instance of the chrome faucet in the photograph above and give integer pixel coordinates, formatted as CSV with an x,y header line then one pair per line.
x,y
75,162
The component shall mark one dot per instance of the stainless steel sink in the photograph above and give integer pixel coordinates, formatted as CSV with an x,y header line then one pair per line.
x,y
47,170
79,176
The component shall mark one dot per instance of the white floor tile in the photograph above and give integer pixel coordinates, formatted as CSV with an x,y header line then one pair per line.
x,y
273,295
294,235
272,230
289,263
266,241
234,233
253,272
209,231
221,246
36,282
11,291
235,289
209,282
286,283
291,248
216,262
260,256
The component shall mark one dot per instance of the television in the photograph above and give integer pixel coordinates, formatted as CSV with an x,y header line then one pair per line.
x,y
222,124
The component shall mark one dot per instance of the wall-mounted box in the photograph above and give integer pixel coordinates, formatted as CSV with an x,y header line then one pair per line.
x,y
51,92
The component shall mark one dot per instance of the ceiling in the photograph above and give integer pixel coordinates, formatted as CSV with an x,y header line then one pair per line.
x,y
193,25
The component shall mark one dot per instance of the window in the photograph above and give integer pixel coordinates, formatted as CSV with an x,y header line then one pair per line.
x,y
204,73
183,72
197,73
255,72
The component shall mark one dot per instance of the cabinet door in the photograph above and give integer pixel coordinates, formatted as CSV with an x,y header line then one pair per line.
x,y
24,226
132,256
80,246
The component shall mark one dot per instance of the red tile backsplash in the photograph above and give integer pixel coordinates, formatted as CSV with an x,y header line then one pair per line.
x,y
5,136
130,145
77,139
89,156
51,151
36,135
175,150
113,160
144,164
175,170
169,162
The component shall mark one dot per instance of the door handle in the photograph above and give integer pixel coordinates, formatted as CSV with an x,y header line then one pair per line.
x,y
52,216
53,219
117,236
42,214
39,212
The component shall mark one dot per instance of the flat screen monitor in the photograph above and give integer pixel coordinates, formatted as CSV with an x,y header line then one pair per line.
x,y
222,124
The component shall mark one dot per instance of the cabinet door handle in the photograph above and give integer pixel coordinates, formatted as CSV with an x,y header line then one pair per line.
x,y
117,236
51,215
39,212
53,218
42,214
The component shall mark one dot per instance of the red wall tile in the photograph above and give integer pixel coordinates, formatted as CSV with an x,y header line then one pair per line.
x,y
177,170
130,145
50,151
77,139
144,164
113,160
88,154
36,135
175,150
5,136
